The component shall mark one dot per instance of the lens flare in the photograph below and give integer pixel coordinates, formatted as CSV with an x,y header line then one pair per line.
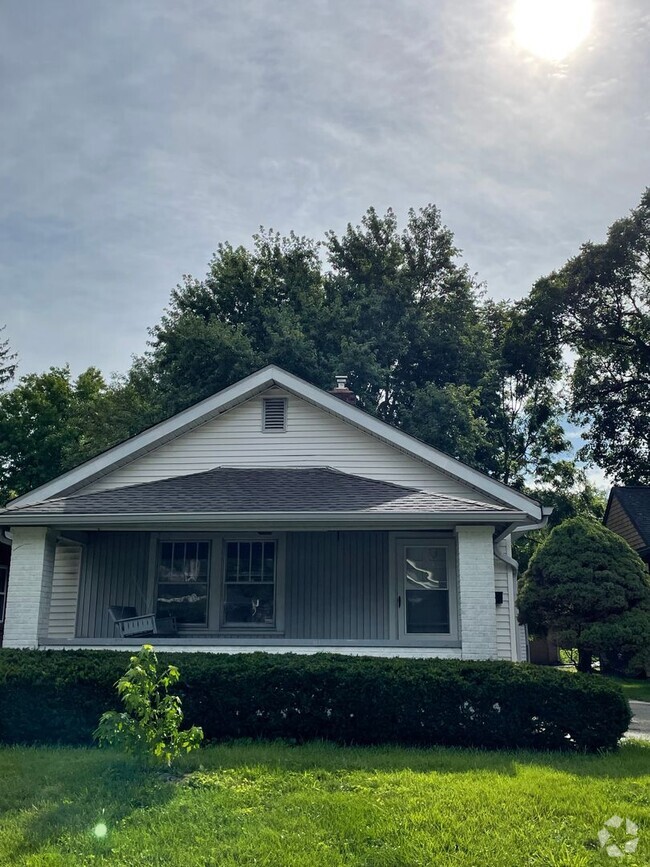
x,y
100,830
552,29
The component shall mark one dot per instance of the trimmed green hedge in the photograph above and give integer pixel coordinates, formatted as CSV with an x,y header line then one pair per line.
x,y
56,697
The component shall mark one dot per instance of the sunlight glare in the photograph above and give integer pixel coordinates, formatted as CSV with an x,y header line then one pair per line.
x,y
552,29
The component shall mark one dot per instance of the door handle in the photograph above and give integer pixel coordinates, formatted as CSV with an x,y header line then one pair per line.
x,y
399,601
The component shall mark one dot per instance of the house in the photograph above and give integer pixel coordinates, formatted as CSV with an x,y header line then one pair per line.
x,y
272,516
628,515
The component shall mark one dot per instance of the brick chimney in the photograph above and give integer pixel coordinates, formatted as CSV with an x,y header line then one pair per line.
x,y
342,391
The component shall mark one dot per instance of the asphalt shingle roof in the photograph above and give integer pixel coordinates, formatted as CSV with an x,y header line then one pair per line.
x,y
636,503
232,490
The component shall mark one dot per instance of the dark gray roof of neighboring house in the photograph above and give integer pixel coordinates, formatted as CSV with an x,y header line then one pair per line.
x,y
636,503
233,490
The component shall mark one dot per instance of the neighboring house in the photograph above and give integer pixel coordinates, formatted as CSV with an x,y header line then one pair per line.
x,y
272,516
628,514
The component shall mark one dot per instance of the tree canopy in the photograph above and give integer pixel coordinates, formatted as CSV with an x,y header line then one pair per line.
x,y
598,305
586,586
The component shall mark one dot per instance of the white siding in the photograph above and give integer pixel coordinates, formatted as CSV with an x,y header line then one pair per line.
x,y
65,589
506,641
313,438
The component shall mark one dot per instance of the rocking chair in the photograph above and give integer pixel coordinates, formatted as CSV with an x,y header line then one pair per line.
x,y
129,624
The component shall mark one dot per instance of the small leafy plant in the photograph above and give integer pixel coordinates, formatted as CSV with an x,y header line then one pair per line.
x,y
150,727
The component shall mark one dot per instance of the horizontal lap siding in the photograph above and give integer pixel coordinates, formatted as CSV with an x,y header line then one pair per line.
x,y
114,572
503,612
337,586
313,438
618,522
65,589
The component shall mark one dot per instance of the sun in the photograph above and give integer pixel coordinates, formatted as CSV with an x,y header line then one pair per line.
x,y
552,29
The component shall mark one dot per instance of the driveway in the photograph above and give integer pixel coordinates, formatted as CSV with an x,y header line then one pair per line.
x,y
640,725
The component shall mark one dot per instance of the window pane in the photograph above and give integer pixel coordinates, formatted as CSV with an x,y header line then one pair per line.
x,y
426,567
244,561
256,561
269,561
231,561
183,581
187,602
248,603
427,611
426,589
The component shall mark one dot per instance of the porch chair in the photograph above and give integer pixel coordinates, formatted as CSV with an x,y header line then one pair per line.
x,y
128,624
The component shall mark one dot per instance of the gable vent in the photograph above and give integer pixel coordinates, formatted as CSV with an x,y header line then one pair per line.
x,y
274,414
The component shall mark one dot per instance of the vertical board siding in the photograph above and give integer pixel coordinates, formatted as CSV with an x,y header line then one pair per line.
x,y
65,590
114,571
313,437
337,586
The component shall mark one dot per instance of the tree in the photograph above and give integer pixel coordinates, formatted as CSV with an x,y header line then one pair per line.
x,y
7,362
393,309
565,487
599,306
590,589
50,423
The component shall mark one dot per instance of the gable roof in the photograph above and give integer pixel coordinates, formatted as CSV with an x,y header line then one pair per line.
x,y
232,491
243,390
635,502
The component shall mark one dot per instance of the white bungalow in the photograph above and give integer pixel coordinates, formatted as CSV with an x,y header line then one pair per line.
x,y
272,516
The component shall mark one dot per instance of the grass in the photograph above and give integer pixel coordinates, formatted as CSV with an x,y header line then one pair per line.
x,y
637,690
283,806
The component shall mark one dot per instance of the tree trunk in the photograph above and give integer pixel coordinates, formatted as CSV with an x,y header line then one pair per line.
x,y
584,660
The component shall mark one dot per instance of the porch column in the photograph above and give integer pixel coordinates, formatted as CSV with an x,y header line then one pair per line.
x,y
478,621
30,586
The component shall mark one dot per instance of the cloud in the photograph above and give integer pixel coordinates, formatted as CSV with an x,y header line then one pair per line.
x,y
136,136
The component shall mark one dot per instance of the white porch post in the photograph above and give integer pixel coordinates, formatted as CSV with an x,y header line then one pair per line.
x,y
30,586
478,622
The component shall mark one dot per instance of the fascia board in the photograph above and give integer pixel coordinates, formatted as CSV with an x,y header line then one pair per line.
x,y
292,520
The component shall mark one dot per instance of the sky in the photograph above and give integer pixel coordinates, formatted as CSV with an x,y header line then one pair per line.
x,y
136,136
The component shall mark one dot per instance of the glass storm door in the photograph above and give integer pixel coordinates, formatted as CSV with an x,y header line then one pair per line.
x,y
424,588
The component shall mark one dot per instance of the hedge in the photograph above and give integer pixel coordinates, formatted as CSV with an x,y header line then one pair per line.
x,y
56,697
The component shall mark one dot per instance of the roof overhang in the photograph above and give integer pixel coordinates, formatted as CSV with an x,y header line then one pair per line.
x,y
264,520
211,407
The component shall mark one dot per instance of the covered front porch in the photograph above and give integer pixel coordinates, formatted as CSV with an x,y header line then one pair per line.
x,y
406,591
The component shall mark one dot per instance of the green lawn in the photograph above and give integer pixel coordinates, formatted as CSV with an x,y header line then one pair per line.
x,y
638,690
283,806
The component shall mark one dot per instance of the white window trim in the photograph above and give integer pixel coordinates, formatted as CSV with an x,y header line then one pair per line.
x,y
398,580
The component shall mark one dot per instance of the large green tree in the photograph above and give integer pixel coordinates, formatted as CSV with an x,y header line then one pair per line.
x,y
587,587
393,309
51,422
598,305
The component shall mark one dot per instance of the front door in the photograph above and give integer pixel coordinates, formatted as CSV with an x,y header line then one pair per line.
x,y
426,588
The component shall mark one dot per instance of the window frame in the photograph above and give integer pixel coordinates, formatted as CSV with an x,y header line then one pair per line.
x,y
400,543
216,578
158,541
278,598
